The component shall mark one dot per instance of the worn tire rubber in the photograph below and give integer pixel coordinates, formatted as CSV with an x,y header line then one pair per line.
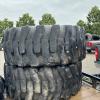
x,y
37,46
2,87
45,83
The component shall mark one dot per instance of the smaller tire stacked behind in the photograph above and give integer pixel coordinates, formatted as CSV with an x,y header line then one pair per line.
x,y
43,62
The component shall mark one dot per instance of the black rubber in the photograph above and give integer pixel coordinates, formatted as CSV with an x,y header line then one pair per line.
x,y
2,87
44,83
37,46
43,62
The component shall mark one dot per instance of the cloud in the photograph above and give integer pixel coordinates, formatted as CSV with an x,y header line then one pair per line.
x,y
64,11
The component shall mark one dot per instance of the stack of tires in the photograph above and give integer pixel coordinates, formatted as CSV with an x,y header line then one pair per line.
x,y
43,62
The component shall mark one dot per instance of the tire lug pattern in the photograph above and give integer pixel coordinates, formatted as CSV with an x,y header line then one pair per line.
x,y
43,62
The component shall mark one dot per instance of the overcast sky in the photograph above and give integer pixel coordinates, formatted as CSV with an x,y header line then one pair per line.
x,y
64,11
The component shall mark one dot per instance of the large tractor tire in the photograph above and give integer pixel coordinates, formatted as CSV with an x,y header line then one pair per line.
x,y
37,46
44,83
43,62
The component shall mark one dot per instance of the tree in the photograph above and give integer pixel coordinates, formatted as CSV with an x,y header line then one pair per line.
x,y
5,24
88,28
81,23
26,19
47,19
84,25
93,21
96,28
94,15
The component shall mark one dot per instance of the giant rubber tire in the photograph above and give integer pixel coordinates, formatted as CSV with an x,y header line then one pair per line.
x,y
45,83
37,46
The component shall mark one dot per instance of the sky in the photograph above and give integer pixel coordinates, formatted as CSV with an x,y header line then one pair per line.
x,y
64,11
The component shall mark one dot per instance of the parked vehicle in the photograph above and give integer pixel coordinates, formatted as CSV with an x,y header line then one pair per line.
x,y
97,53
91,41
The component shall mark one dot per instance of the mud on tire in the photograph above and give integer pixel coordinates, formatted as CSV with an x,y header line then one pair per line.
x,y
37,46
43,83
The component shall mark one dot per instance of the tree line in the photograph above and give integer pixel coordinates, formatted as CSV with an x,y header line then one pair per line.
x,y
26,19
92,25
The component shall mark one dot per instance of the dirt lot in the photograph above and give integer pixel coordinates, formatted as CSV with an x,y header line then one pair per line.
x,y
88,64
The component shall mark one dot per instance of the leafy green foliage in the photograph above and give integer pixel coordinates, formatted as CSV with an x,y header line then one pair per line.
x,y
26,19
94,15
81,23
47,19
5,24
93,21
96,28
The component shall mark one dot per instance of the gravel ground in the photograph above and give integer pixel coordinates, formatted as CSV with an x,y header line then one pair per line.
x,y
88,64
